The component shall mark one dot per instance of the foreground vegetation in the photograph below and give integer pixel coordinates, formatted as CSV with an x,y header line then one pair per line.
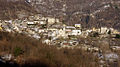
x,y
31,52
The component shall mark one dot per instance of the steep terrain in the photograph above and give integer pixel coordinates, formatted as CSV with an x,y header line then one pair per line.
x,y
30,52
90,13
11,9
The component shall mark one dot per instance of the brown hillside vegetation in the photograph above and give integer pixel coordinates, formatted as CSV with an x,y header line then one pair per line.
x,y
35,53
11,9
79,11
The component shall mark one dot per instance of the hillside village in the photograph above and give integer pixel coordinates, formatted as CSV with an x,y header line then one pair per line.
x,y
89,25
52,31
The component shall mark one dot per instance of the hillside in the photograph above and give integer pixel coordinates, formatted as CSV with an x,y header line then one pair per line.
x,y
90,13
12,9
39,33
30,52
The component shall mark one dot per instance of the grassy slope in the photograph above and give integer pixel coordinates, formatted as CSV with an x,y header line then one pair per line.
x,y
37,54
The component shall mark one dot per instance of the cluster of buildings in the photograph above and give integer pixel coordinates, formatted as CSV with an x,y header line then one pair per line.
x,y
51,30
46,28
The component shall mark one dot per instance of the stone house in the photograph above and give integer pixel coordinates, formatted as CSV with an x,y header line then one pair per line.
x,y
51,20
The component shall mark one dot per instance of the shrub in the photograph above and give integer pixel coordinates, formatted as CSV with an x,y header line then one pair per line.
x,y
38,54
17,51
116,6
117,36
94,34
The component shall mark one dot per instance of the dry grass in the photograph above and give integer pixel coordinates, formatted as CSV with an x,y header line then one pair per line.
x,y
10,9
37,54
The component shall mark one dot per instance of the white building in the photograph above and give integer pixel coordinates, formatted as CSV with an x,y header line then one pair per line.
x,y
28,1
41,30
62,33
78,25
42,22
47,41
31,23
104,30
76,32
70,27
52,20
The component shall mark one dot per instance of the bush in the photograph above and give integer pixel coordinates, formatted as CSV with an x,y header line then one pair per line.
x,y
116,6
38,54
94,34
117,36
17,51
